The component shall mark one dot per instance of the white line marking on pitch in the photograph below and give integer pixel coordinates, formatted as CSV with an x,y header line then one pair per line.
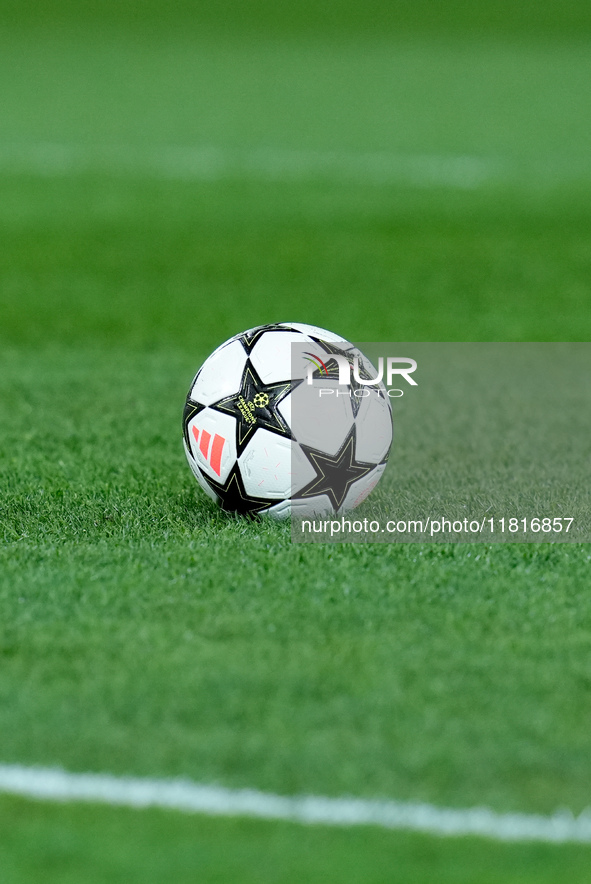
x,y
48,784
213,163
206,163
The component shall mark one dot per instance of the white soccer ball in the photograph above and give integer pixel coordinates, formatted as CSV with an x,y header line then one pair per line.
x,y
269,427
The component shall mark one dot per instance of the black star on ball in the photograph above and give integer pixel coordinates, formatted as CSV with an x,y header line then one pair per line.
x,y
250,338
255,406
334,473
233,497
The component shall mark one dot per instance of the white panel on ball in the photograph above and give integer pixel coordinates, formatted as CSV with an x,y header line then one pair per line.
x,y
271,355
198,474
362,488
321,419
312,506
284,408
281,510
265,465
220,375
374,428
213,442
302,509
302,471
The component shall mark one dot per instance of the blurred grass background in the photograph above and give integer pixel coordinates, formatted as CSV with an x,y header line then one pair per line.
x,y
383,17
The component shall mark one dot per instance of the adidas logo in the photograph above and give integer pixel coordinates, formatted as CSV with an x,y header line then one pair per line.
x,y
211,450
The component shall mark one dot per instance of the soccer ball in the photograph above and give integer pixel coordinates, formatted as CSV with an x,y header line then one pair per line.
x,y
269,427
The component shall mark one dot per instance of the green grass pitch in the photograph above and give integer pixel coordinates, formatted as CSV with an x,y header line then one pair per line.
x,y
141,630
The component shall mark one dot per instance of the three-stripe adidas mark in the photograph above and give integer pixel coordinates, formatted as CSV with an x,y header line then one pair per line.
x,y
211,450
